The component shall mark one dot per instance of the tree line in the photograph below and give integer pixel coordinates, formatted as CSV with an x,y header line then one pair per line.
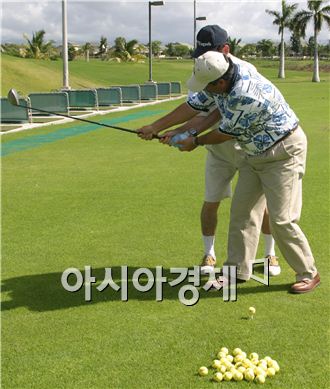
x,y
317,13
122,50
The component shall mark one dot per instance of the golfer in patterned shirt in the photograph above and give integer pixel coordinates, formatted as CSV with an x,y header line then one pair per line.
x,y
255,113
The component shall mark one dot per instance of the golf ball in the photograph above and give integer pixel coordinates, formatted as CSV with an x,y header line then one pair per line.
x,y
249,375
230,358
216,364
237,351
276,366
253,356
218,377
224,350
247,363
263,366
228,376
260,379
255,362
203,371
239,358
271,372
221,354
238,376
258,371
252,311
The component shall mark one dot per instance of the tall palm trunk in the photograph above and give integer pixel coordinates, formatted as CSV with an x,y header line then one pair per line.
x,y
281,72
316,76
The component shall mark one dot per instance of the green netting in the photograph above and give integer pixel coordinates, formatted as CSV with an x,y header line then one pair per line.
x,y
12,114
82,98
53,102
148,92
164,88
175,87
131,93
109,96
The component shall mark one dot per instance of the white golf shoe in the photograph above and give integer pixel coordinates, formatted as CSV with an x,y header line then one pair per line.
x,y
274,267
207,265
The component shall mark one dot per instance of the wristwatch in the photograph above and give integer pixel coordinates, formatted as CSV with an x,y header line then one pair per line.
x,y
196,141
193,132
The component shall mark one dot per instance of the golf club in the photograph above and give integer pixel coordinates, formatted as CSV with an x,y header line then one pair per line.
x,y
13,98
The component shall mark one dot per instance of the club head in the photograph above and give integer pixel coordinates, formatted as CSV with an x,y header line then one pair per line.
x,y
13,97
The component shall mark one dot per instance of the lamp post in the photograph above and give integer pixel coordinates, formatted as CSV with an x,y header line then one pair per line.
x,y
195,19
151,3
65,46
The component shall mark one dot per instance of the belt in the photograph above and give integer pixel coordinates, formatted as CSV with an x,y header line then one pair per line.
x,y
285,136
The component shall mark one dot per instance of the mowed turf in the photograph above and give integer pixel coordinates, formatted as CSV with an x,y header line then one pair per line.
x,y
107,199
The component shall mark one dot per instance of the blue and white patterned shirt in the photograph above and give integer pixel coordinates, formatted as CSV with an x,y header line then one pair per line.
x,y
254,111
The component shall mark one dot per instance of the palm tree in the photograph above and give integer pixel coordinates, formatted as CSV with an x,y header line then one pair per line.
x,y
37,48
128,51
131,46
234,45
265,47
103,46
85,49
317,12
283,20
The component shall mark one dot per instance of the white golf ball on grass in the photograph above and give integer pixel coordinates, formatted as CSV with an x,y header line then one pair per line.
x,y
237,351
216,364
249,375
238,376
270,372
203,371
260,379
252,312
228,376
218,377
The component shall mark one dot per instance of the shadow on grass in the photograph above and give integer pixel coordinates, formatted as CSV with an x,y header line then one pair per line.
x,y
44,292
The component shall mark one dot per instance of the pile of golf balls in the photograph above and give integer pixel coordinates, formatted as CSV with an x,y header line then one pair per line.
x,y
239,366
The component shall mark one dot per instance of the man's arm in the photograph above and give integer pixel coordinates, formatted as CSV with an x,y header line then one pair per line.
x,y
211,138
179,115
200,123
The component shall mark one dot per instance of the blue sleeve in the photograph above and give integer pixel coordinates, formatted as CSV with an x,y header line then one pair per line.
x,y
200,101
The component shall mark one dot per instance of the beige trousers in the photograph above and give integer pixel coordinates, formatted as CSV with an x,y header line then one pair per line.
x,y
274,177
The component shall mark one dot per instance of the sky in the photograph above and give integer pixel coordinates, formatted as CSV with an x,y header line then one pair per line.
x,y
173,22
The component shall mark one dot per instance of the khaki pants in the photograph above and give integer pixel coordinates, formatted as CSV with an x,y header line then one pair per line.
x,y
274,177
222,162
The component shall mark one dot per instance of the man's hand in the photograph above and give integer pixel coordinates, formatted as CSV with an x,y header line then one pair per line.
x,y
146,132
167,136
187,144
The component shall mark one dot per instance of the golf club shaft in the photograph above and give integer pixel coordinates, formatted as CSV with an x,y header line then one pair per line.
x,y
83,120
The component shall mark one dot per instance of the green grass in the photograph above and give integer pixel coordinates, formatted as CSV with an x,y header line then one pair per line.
x,y
29,75
108,199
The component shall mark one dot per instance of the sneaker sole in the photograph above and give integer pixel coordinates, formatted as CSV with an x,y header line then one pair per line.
x,y
207,270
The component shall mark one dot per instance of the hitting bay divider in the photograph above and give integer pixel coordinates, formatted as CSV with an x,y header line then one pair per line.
x,y
53,102
33,141
13,114
109,96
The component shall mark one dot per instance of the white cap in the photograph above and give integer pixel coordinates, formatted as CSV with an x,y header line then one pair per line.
x,y
208,67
